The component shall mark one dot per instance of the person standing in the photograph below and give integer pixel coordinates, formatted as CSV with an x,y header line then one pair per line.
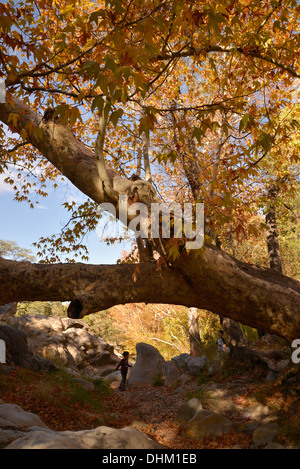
x,y
124,370
221,344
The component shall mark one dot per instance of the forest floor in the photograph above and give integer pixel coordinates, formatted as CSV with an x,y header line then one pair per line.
x,y
239,392
243,396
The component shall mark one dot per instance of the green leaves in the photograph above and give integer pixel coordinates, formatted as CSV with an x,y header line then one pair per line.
x,y
168,156
265,141
90,68
97,103
67,114
246,123
94,17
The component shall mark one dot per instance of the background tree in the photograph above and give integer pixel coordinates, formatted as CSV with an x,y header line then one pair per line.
x,y
10,250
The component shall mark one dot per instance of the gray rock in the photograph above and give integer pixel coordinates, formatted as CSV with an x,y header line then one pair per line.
x,y
9,435
265,433
13,416
149,363
98,438
68,342
16,422
282,364
17,349
205,423
115,376
171,373
188,410
271,376
9,309
84,384
179,361
185,378
196,364
23,430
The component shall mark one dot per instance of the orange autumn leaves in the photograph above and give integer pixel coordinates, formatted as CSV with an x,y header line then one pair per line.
x,y
219,75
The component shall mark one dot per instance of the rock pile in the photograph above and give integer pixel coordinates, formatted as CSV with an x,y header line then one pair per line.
x,y
67,342
175,372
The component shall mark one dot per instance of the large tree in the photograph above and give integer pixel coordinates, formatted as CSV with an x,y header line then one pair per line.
x,y
88,89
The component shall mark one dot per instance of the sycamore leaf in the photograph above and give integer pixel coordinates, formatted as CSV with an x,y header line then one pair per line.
x,y
13,118
246,122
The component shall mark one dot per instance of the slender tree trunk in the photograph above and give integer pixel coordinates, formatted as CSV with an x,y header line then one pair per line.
x,y
272,236
195,341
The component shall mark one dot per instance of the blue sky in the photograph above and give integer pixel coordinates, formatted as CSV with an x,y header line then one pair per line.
x,y
24,225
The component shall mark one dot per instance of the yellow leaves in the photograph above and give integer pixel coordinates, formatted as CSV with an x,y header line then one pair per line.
x,y
147,121
23,134
5,22
247,122
13,118
173,249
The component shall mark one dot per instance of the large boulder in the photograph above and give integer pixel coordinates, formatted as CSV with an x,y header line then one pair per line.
x,y
16,422
149,364
24,430
98,438
205,423
196,365
17,351
188,410
180,361
69,343
171,373
7,310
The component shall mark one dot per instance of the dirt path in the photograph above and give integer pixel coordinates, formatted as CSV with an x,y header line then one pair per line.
x,y
153,411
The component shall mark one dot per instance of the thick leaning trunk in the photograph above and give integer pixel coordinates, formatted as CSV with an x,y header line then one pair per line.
x,y
252,295
213,281
71,157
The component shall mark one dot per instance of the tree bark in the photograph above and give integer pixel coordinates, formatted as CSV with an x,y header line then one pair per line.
x,y
234,333
195,341
272,236
71,157
216,282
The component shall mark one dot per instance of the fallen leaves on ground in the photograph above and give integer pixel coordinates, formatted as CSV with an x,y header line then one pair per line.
x,y
63,406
